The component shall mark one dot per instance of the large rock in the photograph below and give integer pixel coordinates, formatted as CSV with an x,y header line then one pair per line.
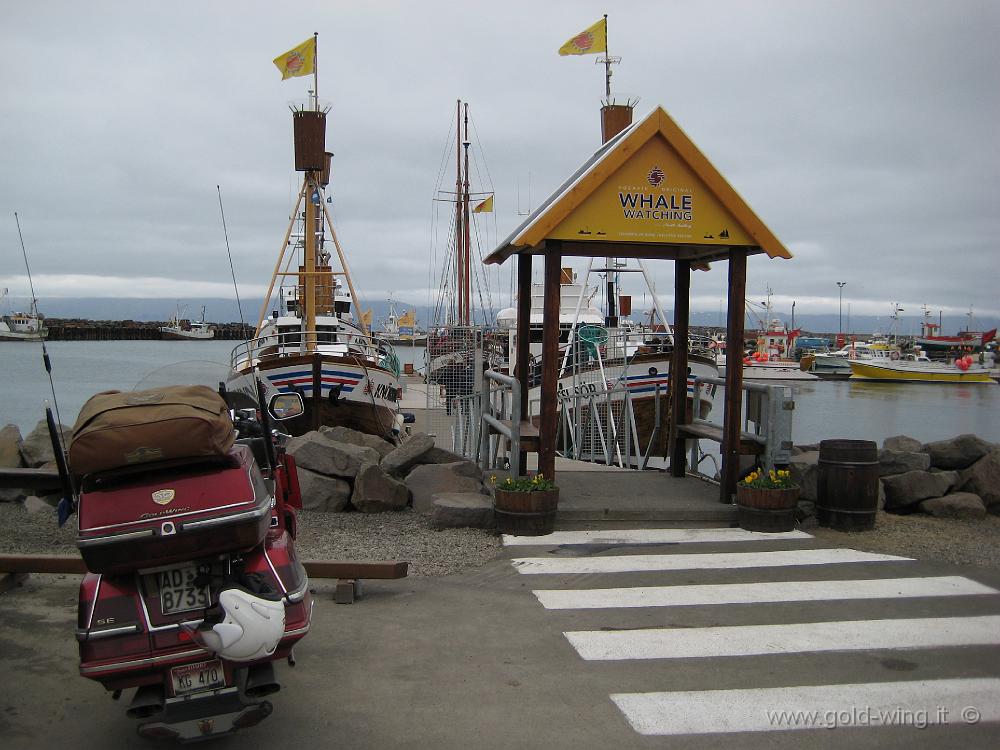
x,y
899,462
805,473
407,455
13,494
376,492
957,453
440,456
902,443
360,439
317,452
903,490
323,493
955,505
454,510
983,479
37,446
428,480
10,447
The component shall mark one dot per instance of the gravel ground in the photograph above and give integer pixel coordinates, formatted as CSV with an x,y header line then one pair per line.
x,y
405,535
408,536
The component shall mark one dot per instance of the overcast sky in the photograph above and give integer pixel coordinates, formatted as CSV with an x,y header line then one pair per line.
x,y
863,132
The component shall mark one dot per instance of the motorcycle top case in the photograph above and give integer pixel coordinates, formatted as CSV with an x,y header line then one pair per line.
x,y
117,429
168,514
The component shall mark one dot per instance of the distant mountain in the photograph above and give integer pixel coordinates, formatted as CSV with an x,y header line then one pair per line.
x,y
219,310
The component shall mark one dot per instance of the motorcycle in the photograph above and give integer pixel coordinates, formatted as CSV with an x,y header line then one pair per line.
x,y
194,587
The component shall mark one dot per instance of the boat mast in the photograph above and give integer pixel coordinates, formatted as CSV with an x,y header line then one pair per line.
x,y
459,234
467,269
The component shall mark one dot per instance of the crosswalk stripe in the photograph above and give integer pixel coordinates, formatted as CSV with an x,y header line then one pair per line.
x,y
651,536
720,561
912,704
750,593
754,640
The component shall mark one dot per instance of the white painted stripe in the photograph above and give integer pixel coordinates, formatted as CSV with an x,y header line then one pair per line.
x,y
753,640
651,536
907,704
719,561
752,593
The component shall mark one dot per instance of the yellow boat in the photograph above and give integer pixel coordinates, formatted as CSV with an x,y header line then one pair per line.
x,y
920,371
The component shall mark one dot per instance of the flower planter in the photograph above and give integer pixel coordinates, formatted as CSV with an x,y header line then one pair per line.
x,y
772,510
526,513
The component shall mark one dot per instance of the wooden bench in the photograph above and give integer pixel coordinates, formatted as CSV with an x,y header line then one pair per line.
x,y
750,444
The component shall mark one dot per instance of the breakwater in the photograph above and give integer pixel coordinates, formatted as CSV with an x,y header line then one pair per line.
x,y
129,330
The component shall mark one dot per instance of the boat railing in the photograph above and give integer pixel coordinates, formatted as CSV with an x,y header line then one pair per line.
x,y
767,423
590,343
296,343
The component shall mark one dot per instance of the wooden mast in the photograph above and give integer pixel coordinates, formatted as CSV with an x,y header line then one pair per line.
x,y
467,239
459,233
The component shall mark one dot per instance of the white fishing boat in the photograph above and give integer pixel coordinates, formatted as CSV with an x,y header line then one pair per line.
x,y
179,328
22,326
309,342
402,329
772,359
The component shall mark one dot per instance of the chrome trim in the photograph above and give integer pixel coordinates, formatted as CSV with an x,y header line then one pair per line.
x,y
149,661
274,572
112,538
297,631
93,603
172,516
209,523
294,597
89,635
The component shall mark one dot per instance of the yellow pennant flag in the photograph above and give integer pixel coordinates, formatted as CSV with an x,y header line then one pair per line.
x,y
591,41
486,207
300,61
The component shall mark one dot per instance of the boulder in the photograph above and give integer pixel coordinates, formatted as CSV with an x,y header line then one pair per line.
x,y
805,473
957,453
902,443
13,494
428,480
440,456
899,462
453,510
407,455
955,505
10,447
319,453
376,492
323,493
805,509
37,446
35,505
903,490
805,448
983,479
360,439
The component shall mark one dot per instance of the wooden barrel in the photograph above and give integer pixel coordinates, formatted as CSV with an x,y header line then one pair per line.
x,y
847,484
526,513
768,510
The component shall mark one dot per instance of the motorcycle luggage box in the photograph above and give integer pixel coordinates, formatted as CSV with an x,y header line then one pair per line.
x,y
118,429
166,513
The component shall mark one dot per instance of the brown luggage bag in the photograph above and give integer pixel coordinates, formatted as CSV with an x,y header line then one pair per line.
x,y
117,429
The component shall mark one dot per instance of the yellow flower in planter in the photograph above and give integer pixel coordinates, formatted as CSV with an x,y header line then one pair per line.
x,y
537,483
775,479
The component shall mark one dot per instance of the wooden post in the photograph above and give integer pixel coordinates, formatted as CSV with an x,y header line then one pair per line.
x,y
679,364
732,419
522,366
550,361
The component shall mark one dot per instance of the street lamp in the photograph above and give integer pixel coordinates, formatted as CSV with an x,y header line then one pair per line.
x,y
840,322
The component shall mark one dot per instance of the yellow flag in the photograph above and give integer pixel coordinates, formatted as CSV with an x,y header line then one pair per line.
x,y
591,41
486,207
300,61
366,318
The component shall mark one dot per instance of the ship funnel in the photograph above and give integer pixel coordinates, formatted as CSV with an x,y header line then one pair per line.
x,y
616,114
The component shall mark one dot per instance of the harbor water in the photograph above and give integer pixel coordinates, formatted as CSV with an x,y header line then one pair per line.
x,y
823,409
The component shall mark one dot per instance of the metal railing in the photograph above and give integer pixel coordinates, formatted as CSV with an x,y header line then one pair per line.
x,y
486,426
295,343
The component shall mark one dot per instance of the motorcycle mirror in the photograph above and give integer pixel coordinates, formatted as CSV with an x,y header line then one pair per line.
x,y
286,406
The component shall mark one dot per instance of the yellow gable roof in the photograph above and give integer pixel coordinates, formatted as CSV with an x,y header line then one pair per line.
x,y
650,185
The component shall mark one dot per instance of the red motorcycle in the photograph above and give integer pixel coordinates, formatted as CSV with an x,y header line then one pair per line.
x,y
194,589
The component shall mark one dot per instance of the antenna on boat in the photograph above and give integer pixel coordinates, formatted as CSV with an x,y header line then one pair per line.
x,y
236,288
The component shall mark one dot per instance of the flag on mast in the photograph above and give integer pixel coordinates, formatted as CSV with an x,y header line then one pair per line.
x,y
485,207
298,61
589,41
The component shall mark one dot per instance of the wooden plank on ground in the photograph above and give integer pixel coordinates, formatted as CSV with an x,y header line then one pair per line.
x,y
35,479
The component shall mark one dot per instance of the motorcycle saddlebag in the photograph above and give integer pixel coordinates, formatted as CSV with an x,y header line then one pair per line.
x,y
165,513
117,429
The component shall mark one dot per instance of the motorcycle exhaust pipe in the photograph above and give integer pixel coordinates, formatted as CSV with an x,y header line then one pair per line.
x,y
261,681
148,701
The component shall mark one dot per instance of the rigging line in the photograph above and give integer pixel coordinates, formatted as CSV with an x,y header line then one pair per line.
x,y
225,232
45,353
482,279
479,142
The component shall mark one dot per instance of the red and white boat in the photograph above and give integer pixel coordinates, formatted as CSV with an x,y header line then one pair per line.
x,y
964,341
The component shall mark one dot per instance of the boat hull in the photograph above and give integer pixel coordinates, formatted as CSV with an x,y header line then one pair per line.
x,y
337,391
168,335
900,372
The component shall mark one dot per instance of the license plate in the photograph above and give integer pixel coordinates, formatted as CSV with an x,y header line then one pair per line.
x,y
178,592
193,678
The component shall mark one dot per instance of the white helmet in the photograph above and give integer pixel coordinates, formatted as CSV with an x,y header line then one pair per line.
x,y
250,630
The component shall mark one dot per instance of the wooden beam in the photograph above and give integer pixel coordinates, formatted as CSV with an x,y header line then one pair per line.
x,y
523,343
732,418
550,361
679,365
35,479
